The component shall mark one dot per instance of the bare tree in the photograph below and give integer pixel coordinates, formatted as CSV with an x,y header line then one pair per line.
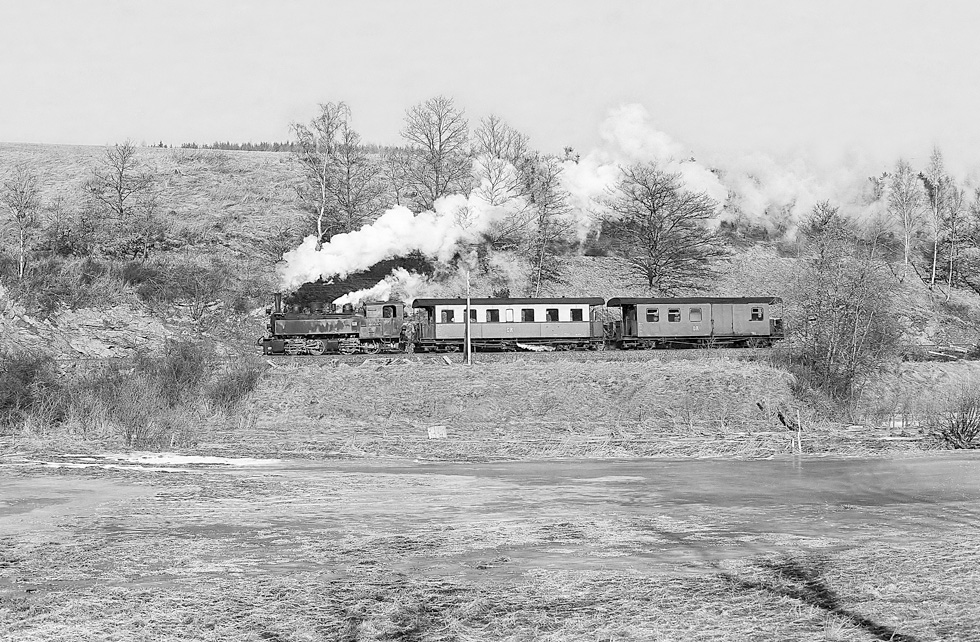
x,y
317,145
938,185
955,215
124,194
905,199
21,196
120,181
59,226
438,136
395,163
970,254
660,232
358,188
499,150
496,139
278,239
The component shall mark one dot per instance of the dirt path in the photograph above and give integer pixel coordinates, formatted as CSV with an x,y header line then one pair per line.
x,y
203,548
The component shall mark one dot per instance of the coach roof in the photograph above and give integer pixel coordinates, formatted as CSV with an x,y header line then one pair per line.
x,y
619,302
592,300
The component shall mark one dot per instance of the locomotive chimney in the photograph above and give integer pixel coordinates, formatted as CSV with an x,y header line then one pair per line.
x,y
277,297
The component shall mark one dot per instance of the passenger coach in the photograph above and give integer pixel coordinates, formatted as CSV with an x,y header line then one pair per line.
x,y
507,324
661,322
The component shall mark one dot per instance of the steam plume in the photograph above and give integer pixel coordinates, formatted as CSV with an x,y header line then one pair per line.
x,y
401,284
437,234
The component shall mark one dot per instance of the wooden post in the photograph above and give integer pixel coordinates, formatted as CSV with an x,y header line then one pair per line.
x,y
799,431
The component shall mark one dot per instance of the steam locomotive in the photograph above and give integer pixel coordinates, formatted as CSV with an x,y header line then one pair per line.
x,y
511,324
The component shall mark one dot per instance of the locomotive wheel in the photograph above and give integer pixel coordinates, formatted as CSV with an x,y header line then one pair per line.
x,y
372,347
316,348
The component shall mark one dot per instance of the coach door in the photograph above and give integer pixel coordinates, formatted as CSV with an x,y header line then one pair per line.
x,y
722,320
629,320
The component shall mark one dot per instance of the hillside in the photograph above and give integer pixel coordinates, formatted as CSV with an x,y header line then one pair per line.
x,y
225,204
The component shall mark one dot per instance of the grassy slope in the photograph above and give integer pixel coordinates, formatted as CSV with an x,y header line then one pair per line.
x,y
239,192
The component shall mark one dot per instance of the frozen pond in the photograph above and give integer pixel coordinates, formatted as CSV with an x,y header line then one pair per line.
x,y
655,515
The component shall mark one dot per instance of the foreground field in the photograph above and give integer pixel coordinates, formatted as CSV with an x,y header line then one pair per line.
x,y
156,548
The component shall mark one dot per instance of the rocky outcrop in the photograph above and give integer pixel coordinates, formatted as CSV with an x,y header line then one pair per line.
x,y
86,332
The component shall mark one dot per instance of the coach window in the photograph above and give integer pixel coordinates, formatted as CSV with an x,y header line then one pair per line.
x,y
756,314
551,315
576,314
673,315
510,315
472,316
527,315
493,316
447,316
653,315
695,314
388,312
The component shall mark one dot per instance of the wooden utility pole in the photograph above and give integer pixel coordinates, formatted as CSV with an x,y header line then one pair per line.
x,y
467,348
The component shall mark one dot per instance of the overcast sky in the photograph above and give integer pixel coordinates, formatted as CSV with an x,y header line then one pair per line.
x,y
830,79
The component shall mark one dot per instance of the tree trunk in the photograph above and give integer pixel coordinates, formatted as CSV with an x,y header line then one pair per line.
x,y
23,253
908,243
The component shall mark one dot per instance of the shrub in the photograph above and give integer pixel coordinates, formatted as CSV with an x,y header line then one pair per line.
x,y
839,310
150,400
28,385
137,273
180,370
958,425
228,388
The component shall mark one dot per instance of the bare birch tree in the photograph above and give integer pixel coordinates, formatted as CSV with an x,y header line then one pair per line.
x,y
937,184
317,145
21,196
438,136
905,200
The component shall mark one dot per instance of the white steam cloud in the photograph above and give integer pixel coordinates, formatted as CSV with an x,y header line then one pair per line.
x,y
629,137
754,189
438,234
400,284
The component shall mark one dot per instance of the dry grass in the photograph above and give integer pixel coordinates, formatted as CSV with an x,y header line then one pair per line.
x,y
207,187
617,405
